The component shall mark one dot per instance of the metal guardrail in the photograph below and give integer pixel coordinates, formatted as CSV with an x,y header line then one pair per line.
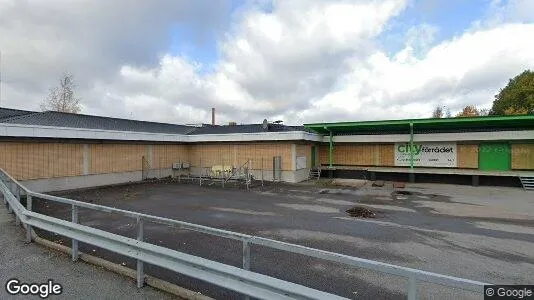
x,y
240,280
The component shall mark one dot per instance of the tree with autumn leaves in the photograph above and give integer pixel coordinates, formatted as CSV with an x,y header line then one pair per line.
x,y
472,111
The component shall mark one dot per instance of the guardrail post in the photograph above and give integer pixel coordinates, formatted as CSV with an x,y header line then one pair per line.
x,y
17,194
10,190
74,242
246,255
246,259
28,227
412,288
4,181
140,271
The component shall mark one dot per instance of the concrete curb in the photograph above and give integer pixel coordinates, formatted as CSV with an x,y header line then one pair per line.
x,y
121,270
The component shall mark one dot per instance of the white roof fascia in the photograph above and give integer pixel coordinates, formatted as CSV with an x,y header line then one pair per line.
x,y
19,130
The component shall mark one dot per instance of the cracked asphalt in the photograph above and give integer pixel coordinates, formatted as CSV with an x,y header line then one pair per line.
x,y
478,233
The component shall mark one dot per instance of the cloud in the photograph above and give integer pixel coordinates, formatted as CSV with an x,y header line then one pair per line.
x,y
299,61
93,40
274,63
465,70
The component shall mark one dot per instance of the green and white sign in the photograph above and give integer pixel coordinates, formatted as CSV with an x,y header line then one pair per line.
x,y
438,155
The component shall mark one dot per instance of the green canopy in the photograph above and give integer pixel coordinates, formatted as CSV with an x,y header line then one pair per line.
x,y
461,123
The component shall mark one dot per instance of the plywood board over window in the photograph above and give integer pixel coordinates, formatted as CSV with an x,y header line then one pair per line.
x,y
301,162
523,156
358,154
304,151
387,155
467,156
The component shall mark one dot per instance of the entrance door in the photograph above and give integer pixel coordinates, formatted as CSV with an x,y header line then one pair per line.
x,y
494,156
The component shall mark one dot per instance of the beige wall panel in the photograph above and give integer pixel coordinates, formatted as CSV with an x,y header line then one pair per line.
x,y
43,170
211,154
41,160
238,154
165,155
112,158
467,156
523,156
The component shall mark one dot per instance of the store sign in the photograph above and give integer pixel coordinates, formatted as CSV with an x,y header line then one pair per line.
x,y
440,155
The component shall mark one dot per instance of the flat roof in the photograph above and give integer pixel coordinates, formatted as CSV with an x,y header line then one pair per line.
x,y
521,122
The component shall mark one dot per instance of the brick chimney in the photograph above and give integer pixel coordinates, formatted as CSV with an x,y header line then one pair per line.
x,y
213,116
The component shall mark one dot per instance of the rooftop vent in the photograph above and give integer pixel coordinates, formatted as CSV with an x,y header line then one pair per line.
x,y
265,125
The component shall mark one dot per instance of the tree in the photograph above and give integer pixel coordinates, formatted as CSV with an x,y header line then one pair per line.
x,y
441,112
61,98
517,98
438,112
483,112
469,111
516,111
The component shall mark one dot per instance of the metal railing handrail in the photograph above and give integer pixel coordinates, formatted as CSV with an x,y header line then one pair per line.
x,y
317,253
237,170
413,275
243,281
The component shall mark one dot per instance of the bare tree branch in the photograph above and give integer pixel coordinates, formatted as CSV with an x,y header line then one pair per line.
x,y
62,98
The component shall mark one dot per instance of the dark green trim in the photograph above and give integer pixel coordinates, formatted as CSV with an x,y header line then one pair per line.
x,y
331,149
523,121
313,156
411,146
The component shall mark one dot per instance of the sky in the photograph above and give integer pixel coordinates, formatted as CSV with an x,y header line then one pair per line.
x,y
300,61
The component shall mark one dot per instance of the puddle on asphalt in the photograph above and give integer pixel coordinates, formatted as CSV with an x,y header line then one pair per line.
x,y
361,212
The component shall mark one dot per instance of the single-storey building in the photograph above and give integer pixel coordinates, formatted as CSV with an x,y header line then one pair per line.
x,y
57,151
495,150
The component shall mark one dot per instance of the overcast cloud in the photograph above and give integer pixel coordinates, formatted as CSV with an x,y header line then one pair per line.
x,y
297,60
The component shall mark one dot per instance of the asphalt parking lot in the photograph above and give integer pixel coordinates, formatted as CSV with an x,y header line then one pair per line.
x,y
478,233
